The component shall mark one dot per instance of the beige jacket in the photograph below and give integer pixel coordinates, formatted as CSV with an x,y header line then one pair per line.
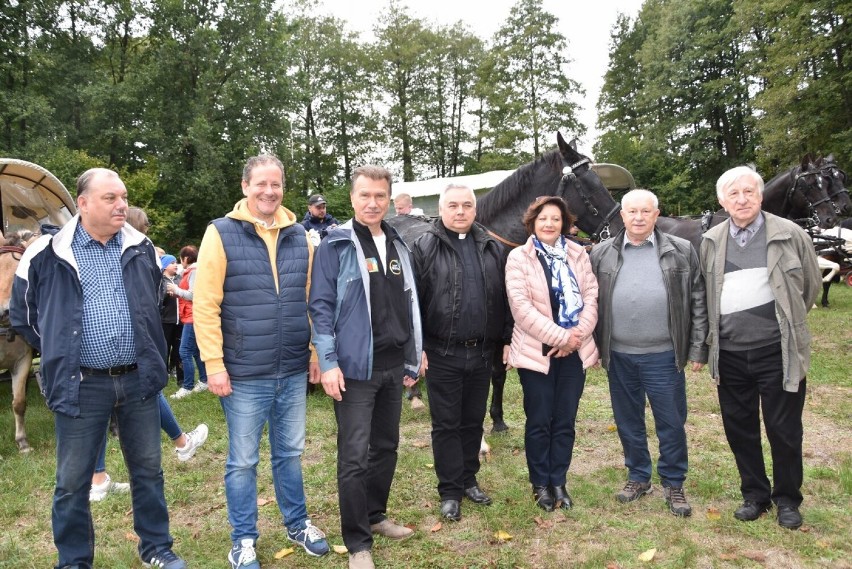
x,y
529,299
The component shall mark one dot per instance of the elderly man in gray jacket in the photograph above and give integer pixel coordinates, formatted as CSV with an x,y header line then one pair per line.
x,y
762,278
652,319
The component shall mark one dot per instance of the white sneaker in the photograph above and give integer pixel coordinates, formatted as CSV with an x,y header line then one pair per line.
x,y
199,387
181,393
107,487
194,439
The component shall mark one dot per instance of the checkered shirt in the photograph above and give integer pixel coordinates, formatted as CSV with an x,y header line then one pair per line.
x,y
107,328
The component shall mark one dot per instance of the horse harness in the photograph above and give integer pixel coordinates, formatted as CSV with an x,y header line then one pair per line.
x,y
602,232
834,172
813,218
13,250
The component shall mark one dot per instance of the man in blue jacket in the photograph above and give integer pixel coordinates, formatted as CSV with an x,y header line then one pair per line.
x,y
317,217
87,298
366,319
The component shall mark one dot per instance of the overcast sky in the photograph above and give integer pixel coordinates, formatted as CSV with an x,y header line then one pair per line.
x,y
586,25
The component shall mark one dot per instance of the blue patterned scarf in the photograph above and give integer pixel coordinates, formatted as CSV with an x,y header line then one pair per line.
x,y
562,282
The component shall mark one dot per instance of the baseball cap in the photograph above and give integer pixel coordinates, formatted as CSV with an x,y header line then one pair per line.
x,y
316,199
166,260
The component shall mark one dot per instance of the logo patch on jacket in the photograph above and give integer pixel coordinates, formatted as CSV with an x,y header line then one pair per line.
x,y
394,267
372,265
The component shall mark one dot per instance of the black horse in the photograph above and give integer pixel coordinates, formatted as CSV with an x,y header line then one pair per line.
x,y
836,180
799,194
563,172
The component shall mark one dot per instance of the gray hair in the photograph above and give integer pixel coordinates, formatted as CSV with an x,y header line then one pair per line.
x,y
261,160
372,172
735,174
455,187
640,193
84,181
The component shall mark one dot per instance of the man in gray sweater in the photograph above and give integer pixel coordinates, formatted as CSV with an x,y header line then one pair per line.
x,y
652,319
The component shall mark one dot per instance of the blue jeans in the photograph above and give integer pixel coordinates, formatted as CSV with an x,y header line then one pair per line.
x,y
551,401
78,441
168,422
253,403
190,355
631,377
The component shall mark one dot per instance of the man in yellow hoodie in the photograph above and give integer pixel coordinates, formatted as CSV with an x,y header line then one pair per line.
x,y
251,323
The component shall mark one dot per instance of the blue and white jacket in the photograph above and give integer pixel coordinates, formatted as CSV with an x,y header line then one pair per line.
x,y
339,306
47,309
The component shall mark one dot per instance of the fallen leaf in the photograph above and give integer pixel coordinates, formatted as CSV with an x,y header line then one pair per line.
x,y
420,444
340,549
727,556
430,465
822,543
502,535
713,513
805,529
758,556
412,527
648,555
544,524
516,452
263,501
611,428
436,527
130,536
612,565
283,552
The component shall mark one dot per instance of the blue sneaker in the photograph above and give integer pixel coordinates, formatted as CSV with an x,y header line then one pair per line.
x,y
311,538
243,555
165,559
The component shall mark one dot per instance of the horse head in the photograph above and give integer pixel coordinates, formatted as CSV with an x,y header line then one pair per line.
x,y
591,203
10,256
836,180
800,194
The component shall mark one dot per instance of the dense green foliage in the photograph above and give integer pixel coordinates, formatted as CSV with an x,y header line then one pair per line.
x,y
175,94
697,86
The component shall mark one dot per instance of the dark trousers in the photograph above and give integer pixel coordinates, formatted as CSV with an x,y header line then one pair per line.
x,y
367,440
458,395
173,333
550,404
751,381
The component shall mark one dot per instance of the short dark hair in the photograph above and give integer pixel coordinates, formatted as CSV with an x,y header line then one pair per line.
x,y
535,208
260,160
374,173
189,252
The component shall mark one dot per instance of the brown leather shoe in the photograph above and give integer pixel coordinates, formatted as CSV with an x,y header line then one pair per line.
x,y
361,560
391,530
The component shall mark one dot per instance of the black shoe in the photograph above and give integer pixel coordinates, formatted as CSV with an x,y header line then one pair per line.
x,y
543,497
561,498
451,509
750,511
477,496
789,517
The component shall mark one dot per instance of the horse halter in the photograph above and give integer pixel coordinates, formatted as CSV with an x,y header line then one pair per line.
x,y
835,172
602,232
13,249
813,219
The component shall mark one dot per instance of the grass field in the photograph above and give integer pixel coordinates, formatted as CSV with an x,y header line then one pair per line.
x,y
597,533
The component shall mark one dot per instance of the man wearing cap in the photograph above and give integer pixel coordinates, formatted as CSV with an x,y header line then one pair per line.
x,y
317,218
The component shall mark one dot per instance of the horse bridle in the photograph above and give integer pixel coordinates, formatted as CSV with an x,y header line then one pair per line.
x,y
828,172
602,232
813,218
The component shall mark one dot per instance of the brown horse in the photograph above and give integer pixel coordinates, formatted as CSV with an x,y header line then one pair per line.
x,y
15,354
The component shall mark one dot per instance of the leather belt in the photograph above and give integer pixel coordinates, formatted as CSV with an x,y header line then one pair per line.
x,y
111,371
472,343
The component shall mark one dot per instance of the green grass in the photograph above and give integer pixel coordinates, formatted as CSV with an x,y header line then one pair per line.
x,y
598,533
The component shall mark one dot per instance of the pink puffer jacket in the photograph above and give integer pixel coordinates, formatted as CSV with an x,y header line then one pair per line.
x,y
529,299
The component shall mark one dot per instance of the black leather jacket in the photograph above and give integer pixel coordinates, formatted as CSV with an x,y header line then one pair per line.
x,y
439,283
684,286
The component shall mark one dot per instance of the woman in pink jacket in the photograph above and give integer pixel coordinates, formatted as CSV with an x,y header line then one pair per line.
x,y
553,295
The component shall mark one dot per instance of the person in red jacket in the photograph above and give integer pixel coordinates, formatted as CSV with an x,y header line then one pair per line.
x,y
189,354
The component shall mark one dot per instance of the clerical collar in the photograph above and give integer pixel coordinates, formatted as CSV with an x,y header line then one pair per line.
x,y
453,235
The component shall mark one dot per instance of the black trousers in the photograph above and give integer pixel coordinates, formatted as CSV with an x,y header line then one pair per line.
x,y
458,395
367,441
173,333
751,381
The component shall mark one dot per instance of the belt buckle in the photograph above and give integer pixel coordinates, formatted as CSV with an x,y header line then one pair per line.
x,y
470,343
115,371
